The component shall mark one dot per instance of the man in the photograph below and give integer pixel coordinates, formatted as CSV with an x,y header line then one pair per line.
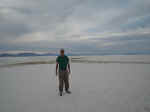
x,y
62,63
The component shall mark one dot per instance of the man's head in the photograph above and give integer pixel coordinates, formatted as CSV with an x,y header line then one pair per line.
x,y
62,51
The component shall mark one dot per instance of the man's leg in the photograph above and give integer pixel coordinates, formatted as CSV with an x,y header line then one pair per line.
x,y
61,83
66,81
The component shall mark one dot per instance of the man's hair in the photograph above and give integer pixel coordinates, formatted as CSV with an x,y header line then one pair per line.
x,y
62,50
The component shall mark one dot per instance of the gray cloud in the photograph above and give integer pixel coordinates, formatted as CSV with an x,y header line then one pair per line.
x,y
82,25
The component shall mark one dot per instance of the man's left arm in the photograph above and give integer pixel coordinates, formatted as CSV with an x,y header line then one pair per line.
x,y
69,70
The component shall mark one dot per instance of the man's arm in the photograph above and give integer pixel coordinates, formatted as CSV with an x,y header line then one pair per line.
x,y
56,68
68,65
69,70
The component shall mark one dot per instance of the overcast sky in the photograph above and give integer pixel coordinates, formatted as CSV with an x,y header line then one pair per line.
x,y
106,26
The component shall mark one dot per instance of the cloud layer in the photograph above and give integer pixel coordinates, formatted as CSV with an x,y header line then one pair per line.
x,y
107,26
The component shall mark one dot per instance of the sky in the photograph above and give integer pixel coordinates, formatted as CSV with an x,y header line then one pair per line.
x,y
89,26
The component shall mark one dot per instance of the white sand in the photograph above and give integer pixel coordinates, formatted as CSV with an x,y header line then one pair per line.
x,y
95,88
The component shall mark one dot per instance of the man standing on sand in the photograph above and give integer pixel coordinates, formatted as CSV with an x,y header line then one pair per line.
x,y
62,63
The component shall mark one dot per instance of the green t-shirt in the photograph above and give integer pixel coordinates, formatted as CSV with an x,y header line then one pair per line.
x,y
63,62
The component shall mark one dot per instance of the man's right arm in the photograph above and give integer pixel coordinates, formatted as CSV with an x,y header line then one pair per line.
x,y
56,68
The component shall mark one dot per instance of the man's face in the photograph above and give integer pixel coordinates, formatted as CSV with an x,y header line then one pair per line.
x,y
62,52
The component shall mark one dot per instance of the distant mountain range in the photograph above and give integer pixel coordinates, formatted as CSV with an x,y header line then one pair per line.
x,y
26,54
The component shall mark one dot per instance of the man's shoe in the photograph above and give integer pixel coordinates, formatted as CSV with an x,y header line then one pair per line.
x,y
60,93
68,92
